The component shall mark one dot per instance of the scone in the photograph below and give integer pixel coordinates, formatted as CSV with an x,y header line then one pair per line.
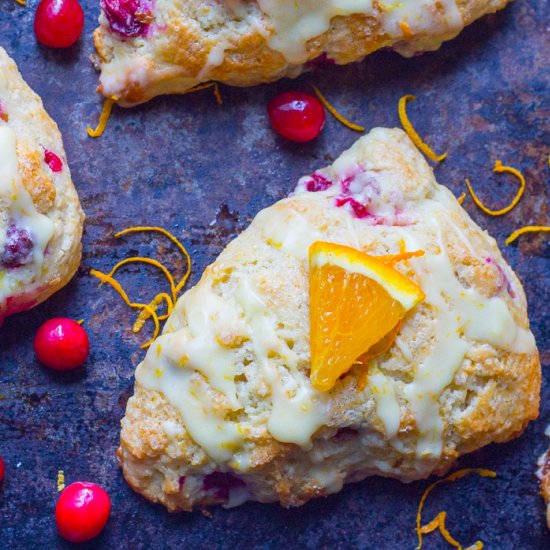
x,y
224,410
147,48
543,474
40,215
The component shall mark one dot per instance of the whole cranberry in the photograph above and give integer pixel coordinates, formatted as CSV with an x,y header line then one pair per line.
x,y
82,511
58,23
61,344
296,116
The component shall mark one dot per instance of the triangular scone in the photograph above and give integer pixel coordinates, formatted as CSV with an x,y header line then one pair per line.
x,y
543,473
224,410
147,48
40,215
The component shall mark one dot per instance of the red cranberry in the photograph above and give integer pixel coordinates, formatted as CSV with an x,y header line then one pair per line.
x,y
317,182
18,248
3,115
2,470
61,344
53,161
58,23
296,116
128,18
221,483
82,511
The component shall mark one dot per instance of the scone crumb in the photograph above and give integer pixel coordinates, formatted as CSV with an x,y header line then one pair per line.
x,y
411,132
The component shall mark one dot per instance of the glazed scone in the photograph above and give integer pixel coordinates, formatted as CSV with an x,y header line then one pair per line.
x,y
147,48
543,474
40,215
223,409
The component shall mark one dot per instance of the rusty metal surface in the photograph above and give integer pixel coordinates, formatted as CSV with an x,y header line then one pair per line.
x,y
204,171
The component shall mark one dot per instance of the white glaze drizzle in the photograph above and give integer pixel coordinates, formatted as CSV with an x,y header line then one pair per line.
x,y
295,22
21,209
460,315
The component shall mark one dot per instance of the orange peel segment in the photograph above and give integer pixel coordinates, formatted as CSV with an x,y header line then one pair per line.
x,y
355,301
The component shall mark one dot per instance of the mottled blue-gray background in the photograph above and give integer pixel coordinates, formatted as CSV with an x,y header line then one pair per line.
x,y
203,171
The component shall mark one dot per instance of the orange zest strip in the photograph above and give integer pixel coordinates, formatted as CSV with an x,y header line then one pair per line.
x,y
150,261
392,259
104,278
406,30
182,249
439,522
103,118
500,168
336,114
453,477
144,315
21,2
200,87
411,132
460,199
526,229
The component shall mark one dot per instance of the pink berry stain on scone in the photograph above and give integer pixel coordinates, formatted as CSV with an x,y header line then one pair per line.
x,y
360,194
128,18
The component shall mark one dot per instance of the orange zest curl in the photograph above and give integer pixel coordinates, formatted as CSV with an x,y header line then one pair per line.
x,y
392,259
335,113
460,199
21,2
150,261
439,521
526,229
153,305
500,168
105,278
145,228
411,132
103,118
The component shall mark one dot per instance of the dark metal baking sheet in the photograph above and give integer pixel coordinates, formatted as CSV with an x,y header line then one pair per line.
x,y
203,171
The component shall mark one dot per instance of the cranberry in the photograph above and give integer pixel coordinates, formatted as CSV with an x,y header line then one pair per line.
x,y
53,161
296,116
18,247
318,182
3,115
128,18
221,483
58,23
82,511
61,344
2,470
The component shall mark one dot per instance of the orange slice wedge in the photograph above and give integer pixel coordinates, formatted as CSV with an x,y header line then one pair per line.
x,y
355,301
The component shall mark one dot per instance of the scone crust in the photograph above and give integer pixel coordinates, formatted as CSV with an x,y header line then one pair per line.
x,y
172,59
53,194
492,397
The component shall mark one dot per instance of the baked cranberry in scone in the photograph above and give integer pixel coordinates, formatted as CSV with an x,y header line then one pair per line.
x,y
40,215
